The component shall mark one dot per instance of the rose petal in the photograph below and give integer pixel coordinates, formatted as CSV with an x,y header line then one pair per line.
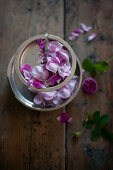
x,y
85,27
91,36
38,84
64,93
73,36
52,80
71,85
65,70
77,30
48,95
26,67
40,73
39,40
69,120
63,54
52,65
56,100
55,46
38,99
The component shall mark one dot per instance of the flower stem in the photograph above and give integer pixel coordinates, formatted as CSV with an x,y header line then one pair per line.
x,y
109,59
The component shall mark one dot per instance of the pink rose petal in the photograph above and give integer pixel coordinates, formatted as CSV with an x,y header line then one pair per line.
x,y
64,93
71,85
38,99
48,95
40,73
56,100
91,36
73,36
85,27
55,46
52,64
77,30
65,70
26,70
38,84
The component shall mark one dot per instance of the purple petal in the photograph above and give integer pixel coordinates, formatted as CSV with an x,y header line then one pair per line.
x,y
26,70
49,95
90,85
38,84
69,120
65,70
56,100
39,40
63,54
52,65
55,46
64,93
71,85
91,36
40,73
38,99
73,36
42,45
26,67
52,80
85,27
77,30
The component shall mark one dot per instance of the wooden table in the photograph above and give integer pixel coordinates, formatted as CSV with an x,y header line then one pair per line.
x,y
31,140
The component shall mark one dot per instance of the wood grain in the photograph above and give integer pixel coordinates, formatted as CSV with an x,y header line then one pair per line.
x,y
82,153
47,141
28,139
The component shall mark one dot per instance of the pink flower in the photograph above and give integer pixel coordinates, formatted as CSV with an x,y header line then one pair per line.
x,y
38,84
26,71
62,118
73,36
90,85
77,30
85,27
52,64
65,70
40,73
91,36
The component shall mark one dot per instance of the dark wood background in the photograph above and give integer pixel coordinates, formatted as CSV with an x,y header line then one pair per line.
x,y
31,140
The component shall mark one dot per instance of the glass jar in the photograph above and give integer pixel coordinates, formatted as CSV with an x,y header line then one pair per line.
x,y
29,52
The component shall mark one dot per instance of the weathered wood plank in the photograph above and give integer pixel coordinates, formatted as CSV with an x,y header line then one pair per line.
x,y
47,143
82,153
15,119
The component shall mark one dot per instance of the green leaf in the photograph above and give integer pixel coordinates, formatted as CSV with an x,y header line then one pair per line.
x,y
88,65
95,134
107,134
76,134
89,124
104,120
96,116
101,66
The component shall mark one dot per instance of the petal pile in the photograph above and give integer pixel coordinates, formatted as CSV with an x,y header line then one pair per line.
x,y
53,65
56,97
